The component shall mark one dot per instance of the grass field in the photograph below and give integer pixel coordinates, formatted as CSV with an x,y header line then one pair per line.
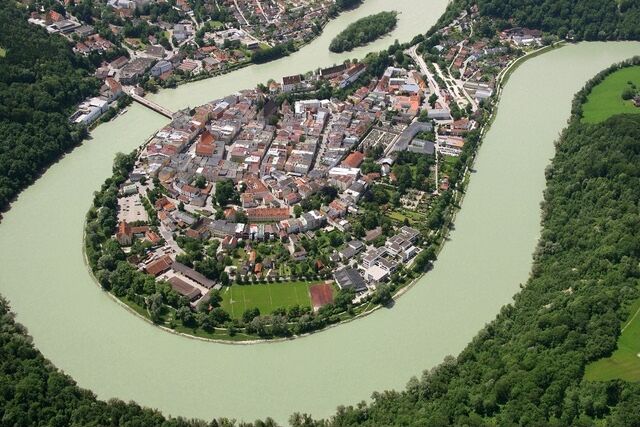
x,y
624,363
605,99
266,297
3,52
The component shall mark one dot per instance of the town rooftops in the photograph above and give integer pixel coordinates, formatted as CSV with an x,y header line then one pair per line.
x,y
268,214
334,71
354,159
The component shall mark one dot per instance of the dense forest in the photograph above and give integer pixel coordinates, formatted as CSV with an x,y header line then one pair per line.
x,y
577,19
41,80
364,31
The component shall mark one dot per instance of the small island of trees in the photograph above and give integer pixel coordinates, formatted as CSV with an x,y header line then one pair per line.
x,y
364,31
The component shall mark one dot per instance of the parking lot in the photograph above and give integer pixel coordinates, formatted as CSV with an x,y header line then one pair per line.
x,y
131,209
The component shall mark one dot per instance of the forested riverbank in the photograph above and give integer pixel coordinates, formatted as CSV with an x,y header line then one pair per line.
x,y
526,367
41,81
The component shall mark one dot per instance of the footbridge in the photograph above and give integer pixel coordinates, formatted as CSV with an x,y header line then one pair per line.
x,y
151,105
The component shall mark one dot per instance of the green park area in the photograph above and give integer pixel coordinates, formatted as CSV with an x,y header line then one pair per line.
x,y
606,99
3,52
624,363
266,297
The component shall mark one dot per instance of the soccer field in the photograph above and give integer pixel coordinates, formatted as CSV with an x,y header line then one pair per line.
x,y
266,297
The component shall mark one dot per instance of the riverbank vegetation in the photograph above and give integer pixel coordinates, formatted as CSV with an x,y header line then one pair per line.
x,y
363,31
36,101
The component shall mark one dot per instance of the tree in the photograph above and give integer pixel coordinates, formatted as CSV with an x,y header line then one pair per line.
x,y
425,258
200,181
628,93
249,314
185,315
432,100
382,295
226,192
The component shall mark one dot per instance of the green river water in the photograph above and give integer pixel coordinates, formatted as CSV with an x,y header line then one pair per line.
x,y
115,354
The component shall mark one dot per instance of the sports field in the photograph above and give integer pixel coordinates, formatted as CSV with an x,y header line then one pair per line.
x,y
605,99
624,363
266,297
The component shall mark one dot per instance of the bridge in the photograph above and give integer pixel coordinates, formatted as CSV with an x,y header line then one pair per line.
x,y
151,105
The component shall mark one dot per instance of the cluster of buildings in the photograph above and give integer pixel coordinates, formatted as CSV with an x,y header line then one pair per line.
x,y
375,265
92,108
276,157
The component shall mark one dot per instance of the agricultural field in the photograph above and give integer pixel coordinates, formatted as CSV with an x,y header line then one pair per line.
x,y
624,363
605,99
266,297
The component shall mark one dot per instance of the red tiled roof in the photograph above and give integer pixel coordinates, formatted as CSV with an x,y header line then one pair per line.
x,y
159,266
354,159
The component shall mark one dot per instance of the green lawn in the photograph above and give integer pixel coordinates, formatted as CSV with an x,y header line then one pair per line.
x,y
624,363
266,297
605,99
3,52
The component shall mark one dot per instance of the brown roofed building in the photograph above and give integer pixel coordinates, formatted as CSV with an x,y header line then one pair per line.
x,y
124,235
159,266
354,160
268,214
184,289
291,83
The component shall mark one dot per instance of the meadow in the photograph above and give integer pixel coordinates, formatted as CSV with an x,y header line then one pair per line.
x,y
605,99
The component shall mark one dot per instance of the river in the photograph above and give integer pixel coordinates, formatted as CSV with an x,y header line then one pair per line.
x,y
115,354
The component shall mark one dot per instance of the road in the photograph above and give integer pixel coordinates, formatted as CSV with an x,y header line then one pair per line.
x,y
433,84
